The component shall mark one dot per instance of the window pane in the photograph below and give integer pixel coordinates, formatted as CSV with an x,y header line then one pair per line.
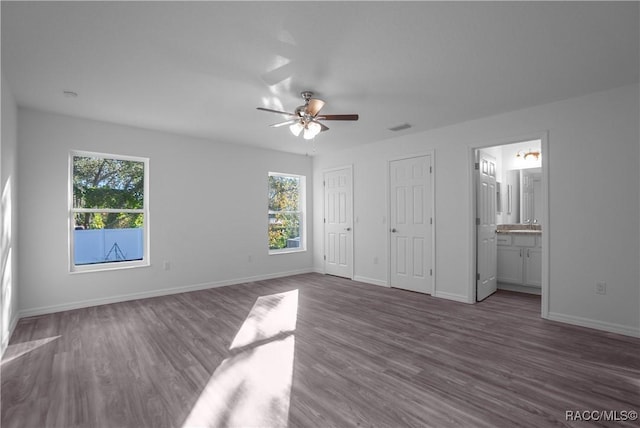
x,y
284,193
86,221
284,230
108,237
107,183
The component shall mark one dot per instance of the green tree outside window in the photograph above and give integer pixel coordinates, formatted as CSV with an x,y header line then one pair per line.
x,y
285,211
110,184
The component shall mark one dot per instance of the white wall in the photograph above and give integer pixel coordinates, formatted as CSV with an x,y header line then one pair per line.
x,y
8,216
208,213
594,207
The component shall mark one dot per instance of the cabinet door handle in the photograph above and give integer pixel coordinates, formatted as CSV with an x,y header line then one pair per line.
x,y
520,252
527,252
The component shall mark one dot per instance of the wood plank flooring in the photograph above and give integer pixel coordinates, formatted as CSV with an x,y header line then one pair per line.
x,y
363,356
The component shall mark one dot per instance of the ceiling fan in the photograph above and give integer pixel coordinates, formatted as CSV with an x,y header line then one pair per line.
x,y
307,118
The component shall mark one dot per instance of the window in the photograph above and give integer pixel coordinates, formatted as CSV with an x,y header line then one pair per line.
x,y
286,213
108,211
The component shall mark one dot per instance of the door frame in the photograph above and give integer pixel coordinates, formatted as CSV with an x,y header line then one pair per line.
x,y
324,225
386,220
543,136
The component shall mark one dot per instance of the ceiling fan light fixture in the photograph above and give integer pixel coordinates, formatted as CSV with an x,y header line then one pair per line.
x,y
296,128
311,130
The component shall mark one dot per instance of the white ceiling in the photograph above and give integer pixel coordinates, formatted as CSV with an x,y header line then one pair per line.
x,y
202,68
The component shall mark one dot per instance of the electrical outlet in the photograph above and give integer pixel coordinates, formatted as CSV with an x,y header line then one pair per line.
x,y
166,265
601,287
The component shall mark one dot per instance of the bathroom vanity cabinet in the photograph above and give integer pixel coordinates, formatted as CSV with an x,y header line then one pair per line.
x,y
520,259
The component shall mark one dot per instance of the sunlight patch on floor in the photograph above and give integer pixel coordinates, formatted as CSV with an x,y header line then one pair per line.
x,y
270,316
19,349
252,388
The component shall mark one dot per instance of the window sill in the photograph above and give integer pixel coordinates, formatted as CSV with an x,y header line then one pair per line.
x,y
287,251
108,267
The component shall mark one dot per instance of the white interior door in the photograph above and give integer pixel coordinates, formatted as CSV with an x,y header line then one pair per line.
x,y
411,224
487,251
338,222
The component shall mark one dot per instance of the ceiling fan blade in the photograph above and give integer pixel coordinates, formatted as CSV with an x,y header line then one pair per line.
x,y
338,117
288,122
275,111
323,127
314,106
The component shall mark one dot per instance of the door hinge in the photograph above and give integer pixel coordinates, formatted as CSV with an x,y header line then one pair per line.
x,y
431,220
477,221
476,165
430,169
478,276
430,272
324,220
325,257
324,183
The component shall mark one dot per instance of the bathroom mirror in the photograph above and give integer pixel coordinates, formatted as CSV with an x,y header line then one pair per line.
x,y
531,196
511,197
522,196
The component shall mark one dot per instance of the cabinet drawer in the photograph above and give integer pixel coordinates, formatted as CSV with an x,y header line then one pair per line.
x,y
524,240
504,239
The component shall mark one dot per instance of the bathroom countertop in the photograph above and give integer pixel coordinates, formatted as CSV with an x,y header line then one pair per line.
x,y
519,232
519,229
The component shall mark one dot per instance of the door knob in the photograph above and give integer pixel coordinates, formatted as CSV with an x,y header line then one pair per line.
x,y
348,229
393,230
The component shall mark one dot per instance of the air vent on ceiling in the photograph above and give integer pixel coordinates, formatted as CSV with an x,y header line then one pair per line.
x,y
400,127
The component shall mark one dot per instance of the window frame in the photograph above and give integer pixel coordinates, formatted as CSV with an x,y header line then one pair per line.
x,y
71,211
302,200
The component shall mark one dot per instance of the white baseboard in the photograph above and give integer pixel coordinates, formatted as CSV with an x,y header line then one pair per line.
x,y
451,296
153,293
595,324
370,281
520,288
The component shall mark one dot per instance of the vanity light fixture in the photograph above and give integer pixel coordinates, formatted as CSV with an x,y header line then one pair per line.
x,y
524,155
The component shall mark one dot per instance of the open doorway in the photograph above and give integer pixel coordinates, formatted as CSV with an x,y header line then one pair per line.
x,y
510,200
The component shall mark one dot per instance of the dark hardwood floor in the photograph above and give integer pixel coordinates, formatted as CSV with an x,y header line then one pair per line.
x,y
336,353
